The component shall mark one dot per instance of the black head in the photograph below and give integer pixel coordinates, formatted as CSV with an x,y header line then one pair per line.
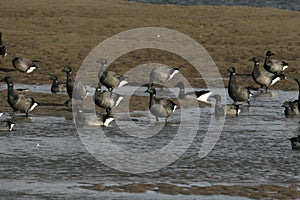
x,y
269,53
254,59
7,79
151,90
53,77
0,34
231,70
179,85
67,69
103,61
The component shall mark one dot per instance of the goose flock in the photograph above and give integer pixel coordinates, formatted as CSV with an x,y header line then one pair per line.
x,y
159,107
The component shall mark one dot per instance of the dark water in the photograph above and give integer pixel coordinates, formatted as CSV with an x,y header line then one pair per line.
x,y
281,4
44,158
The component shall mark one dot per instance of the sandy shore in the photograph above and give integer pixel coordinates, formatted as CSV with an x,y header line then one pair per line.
x,y
60,33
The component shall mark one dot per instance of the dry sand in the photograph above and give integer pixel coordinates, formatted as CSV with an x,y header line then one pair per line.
x,y
63,32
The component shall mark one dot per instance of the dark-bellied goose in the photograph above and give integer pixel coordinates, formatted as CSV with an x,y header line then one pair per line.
x,y
298,82
223,110
106,99
236,92
274,66
83,119
19,102
160,107
6,125
161,74
75,89
295,142
291,108
3,50
264,78
108,78
24,65
199,95
57,86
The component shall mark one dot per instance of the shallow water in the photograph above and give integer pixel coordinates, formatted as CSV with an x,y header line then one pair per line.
x,y
44,157
287,5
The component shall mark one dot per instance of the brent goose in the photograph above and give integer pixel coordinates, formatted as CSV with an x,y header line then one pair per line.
x,y
106,99
24,65
236,92
264,78
290,108
199,95
93,120
162,74
57,86
160,107
19,102
222,110
108,78
274,66
6,125
295,142
298,82
3,50
75,89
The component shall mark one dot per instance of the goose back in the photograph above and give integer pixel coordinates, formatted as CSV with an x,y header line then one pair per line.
x,y
19,102
161,74
6,125
295,142
236,92
24,65
274,66
3,50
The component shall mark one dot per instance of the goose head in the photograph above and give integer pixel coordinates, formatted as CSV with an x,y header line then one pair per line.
x,y
231,70
53,77
269,53
254,59
7,79
67,69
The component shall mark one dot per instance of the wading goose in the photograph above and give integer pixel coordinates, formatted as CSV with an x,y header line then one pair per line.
x,y
160,107
75,89
57,86
223,110
198,95
24,65
108,78
19,102
3,50
291,108
264,78
236,92
295,142
298,82
83,119
274,66
106,99
6,125
161,74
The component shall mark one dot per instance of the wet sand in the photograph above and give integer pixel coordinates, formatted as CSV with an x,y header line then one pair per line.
x,y
59,33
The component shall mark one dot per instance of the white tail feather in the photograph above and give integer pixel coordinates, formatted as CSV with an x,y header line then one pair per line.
x,y
11,127
275,80
119,100
173,74
204,97
285,67
122,83
107,121
30,70
33,106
